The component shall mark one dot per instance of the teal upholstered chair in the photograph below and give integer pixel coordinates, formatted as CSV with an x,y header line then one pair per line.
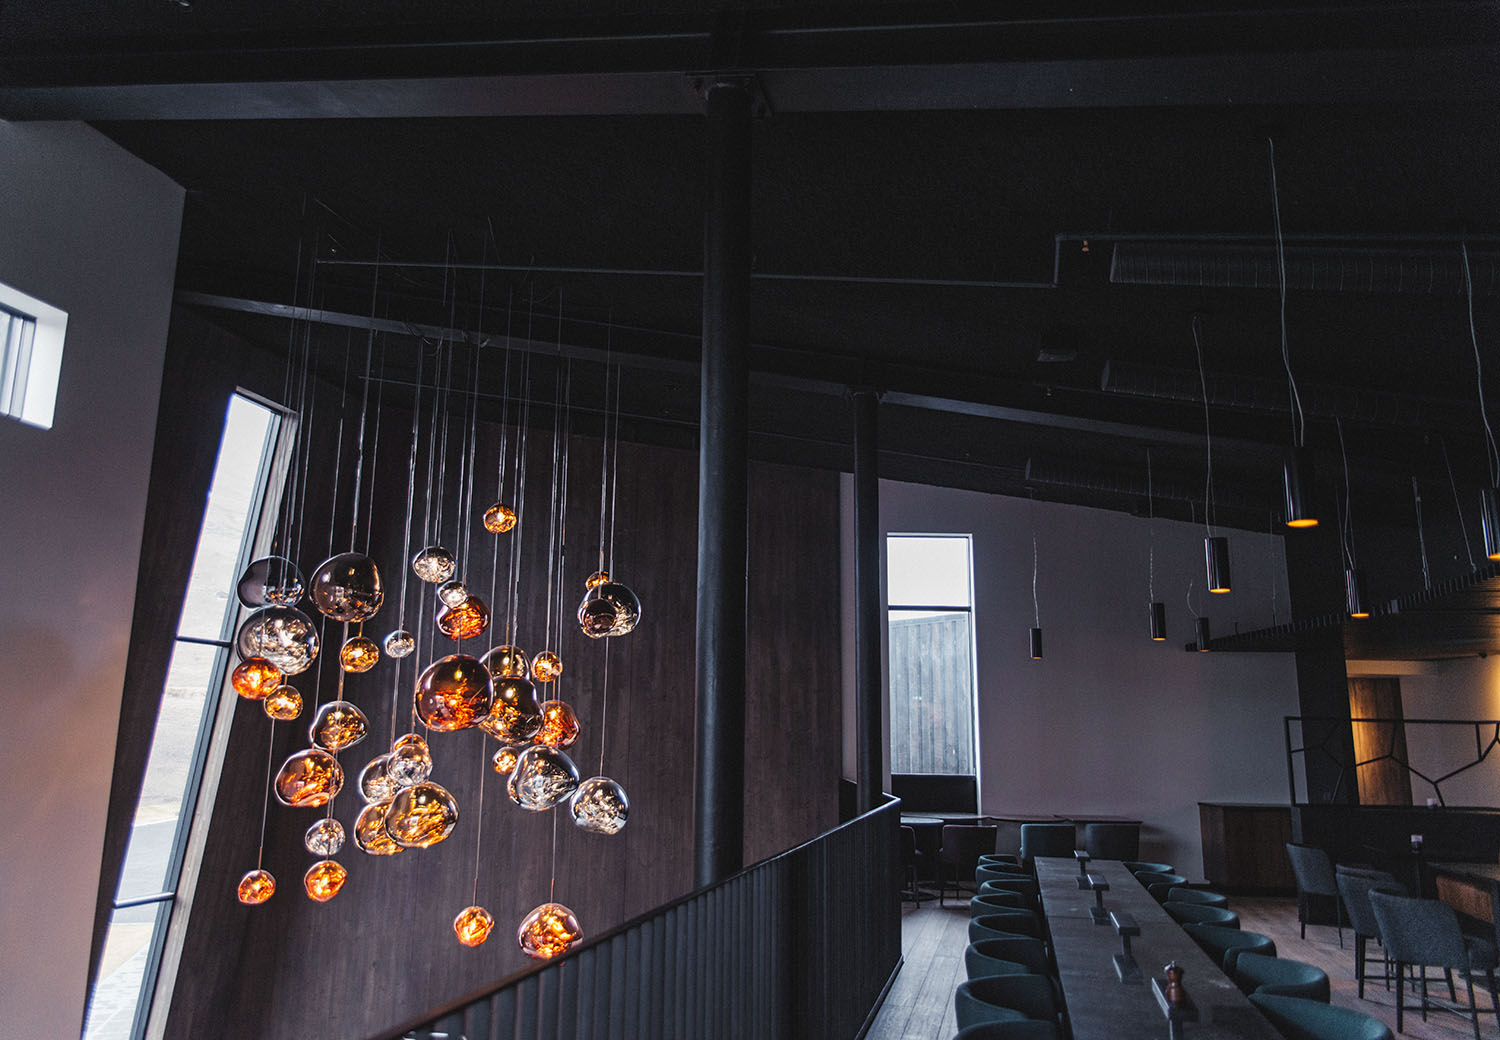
x,y
1160,884
1298,1019
1024,1030
1137,867
1196,913
1024,886
991,902
1004,998
982,928
1201,896
1425,933
990,872
1018,922
1257,973
980,962
1022,949
1355,885
1225,945
1046,839
1120,841
1000,859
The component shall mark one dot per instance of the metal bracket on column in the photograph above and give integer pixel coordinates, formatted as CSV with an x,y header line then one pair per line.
x,y
700,83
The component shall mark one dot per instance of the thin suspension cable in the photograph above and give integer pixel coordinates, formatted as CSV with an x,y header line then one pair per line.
x,y
520,471
1492,453
374,454
265,807
1299,424
484,769
604,443
1416,497
364,411
282,538
614,473
552,887
1208,440
504,403
1036,604
1150,531
338,453
1191,609
552,519
562,510
1270,567
604,707
1458,507
1346,521
305,425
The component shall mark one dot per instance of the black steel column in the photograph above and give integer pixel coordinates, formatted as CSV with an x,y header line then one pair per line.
x,y
868,626
719,780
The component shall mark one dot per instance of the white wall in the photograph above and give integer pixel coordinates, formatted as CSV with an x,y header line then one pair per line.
x,y
1108,721
92,230
1461,689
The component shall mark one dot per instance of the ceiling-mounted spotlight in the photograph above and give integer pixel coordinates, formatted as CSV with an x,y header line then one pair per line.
x,y
1296,485
1216,557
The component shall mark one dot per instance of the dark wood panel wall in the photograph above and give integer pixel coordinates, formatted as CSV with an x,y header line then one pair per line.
x,y
384,949
1383,781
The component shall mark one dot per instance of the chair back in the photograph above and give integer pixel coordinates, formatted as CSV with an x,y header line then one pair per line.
x,y
992,902
1022,949
1419,931
1120,841
1197,913
1027,1030
978,963
908,846
1046,839
1225,945
1298,1019
1026,887
1021,922
1355,888
984,872
1201,896
1149,868
1259,973
982,928
1313,869
1031,995
962,846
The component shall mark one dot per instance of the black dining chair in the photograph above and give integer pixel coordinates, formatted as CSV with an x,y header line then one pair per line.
x,y
1120,841
1355,885
915,864
1315,880
1424,933
958,856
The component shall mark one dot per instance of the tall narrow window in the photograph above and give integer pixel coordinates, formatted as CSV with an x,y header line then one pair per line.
x,y
931,603
31,347
151,877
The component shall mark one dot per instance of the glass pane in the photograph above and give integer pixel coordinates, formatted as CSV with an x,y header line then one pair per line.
x,y
122,972
235,492
172,751
932,692
928,570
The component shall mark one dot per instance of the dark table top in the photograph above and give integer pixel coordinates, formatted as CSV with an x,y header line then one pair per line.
x,y
1484,872
1100,1006
921,821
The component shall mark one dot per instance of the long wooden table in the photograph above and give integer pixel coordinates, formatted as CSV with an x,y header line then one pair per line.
x,y
1470,888
1100,1006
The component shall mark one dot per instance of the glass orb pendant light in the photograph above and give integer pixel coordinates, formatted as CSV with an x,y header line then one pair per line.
x,y
505,661
282,635
256,887
309,779
421,816
543,777
370,835
609,609
559,725
499,518
255,678
325,837
324,879
338,725
347,587
283,703
469,618
434,565
548,931
472,925
270,579
599,805
546,667
454,693
359,654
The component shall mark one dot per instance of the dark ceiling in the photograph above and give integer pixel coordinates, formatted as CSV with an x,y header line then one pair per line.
x,y
1005,217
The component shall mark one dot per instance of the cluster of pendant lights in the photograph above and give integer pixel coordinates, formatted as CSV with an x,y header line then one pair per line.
x,y
498,693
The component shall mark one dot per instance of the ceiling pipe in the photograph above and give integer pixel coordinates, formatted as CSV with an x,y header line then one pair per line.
x,y
1257,394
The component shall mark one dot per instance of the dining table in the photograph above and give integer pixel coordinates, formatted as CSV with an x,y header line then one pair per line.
x,y
1105,1002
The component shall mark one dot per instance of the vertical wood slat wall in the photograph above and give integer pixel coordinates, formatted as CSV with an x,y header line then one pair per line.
x,y
799,945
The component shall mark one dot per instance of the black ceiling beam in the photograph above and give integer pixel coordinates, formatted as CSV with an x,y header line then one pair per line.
x,y
966,59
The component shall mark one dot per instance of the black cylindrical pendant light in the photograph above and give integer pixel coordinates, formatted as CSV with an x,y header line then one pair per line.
x,y
1036,644
1203,635
1216,556
1296,488
1489,515
1354,593
1158,622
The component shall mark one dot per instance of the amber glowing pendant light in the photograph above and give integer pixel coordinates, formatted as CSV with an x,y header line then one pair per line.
x,y
548,931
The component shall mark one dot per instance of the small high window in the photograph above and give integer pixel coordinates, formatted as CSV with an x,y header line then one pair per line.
x,y
31,347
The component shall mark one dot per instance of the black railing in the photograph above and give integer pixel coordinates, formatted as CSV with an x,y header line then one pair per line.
x,y
799,945
1324,736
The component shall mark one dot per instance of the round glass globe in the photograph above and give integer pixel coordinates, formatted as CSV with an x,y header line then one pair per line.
x,y
282,635
434,565
400,643
347,587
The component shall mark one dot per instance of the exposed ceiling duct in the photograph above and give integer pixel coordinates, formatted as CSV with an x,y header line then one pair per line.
x,y
1114,481
1429,270
1256,394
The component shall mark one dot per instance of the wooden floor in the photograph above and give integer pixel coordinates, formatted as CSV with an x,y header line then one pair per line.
x,y
920,1002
